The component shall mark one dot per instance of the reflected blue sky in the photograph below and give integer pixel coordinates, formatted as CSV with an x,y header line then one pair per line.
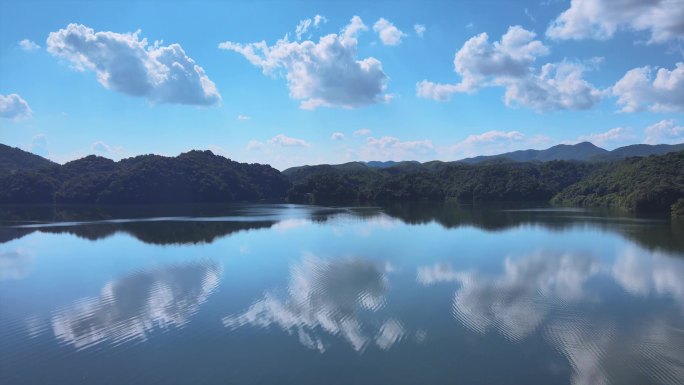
x,y
437,295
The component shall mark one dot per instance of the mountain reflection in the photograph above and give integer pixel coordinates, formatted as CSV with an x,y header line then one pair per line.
x,y
206,223
131,307
604,341
326,297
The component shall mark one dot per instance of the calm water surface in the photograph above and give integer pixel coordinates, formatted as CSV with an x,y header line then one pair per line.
x,y
286,294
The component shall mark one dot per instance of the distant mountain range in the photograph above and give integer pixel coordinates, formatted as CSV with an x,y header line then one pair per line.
x,y
584,151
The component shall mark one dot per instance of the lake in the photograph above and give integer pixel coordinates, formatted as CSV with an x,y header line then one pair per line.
x,y
289,294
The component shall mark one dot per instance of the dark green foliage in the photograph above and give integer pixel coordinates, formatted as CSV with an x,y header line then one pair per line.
x,y
584,151
647,184
678,209
13,160
494,181
195,176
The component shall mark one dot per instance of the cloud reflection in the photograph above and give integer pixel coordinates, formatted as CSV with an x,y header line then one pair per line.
x,y
131,307
644,273
648,349
608,344
15,264
516,302
326,297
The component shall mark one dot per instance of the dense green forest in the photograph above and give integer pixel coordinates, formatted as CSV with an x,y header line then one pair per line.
x,y
654,183
195,176
639,184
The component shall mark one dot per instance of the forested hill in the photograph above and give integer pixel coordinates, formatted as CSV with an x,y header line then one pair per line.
x,y
195,176
639,184
584,151
648,184
13,159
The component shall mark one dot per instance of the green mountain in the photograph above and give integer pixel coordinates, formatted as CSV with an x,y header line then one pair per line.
x,y
195,176
13,160
584,151
653,183
646,184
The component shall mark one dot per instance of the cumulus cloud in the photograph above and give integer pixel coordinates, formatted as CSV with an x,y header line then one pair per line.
x,y
28,45
518,301
130,308
362,132
286,141
639,90
509,63
279,140
323,74
388,33
600,19
305,24
645,274
665,131
325,298
101,147
493,142
337,136
13,106
393,148
420,29
436,91
127,64
614,135
243,117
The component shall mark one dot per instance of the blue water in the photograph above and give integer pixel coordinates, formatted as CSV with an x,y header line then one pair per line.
x,y
286,294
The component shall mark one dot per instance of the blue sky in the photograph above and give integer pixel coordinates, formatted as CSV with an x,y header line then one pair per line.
x,y
361,81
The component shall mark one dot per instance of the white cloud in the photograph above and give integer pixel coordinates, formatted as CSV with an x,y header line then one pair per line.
x,y
318,19
394,142
516,302
302,27
665,131
388,33
255,145
558,86
101,147
436,91
362,132
638,90
325,298
28,45
437,273
600,19
286,141
491,143
337,136
326,73
13,106
643,274
243,117
131,307
279,140
305,24
125,63
509,63
392,148
614,135
420,30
